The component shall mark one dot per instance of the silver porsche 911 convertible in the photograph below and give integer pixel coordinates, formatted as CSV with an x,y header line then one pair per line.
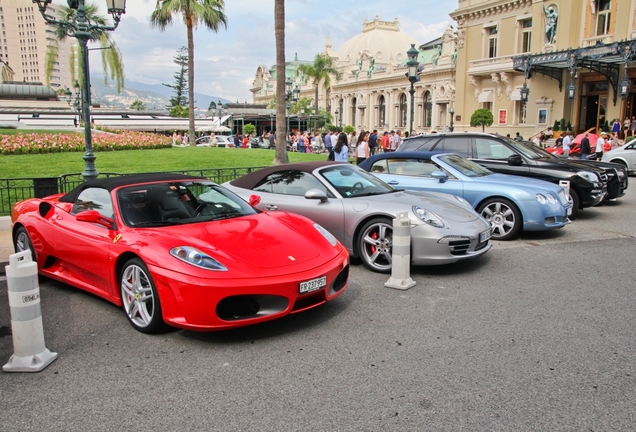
x,y
358,209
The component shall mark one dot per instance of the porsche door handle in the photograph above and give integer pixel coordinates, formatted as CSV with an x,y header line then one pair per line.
x,y
393,182
271,207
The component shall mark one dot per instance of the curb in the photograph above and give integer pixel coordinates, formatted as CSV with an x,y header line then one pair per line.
x,y
5,223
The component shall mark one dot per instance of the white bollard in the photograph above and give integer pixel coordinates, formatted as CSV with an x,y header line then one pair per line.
x,y
401,254
565,184
29,352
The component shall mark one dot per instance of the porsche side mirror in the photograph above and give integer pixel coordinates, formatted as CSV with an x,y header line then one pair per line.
x,y
316,194
94,216
515,160
440,176
254,200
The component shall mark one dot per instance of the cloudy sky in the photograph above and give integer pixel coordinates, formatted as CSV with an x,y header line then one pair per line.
x,y
225,62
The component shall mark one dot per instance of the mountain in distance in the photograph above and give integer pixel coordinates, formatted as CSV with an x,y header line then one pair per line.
x,y
155,96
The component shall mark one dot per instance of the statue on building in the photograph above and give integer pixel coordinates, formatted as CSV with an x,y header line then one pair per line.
x,y
436,55
359,63
550,23
371,66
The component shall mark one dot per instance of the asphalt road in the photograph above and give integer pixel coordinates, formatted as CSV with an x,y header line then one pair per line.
x,y
539,334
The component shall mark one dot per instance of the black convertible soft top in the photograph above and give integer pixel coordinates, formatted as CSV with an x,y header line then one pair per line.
x,y
249,181
111,183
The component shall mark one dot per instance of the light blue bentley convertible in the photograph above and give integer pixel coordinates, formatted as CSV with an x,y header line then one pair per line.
x,y
510,203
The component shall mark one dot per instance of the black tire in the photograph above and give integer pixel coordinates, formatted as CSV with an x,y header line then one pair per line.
x,y
374,245
139,297
504,217
576,202
22,242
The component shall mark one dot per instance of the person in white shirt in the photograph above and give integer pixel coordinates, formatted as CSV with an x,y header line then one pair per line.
x,y
566,143
600,143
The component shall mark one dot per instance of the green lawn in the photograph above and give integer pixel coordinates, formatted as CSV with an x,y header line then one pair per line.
x,y
134,161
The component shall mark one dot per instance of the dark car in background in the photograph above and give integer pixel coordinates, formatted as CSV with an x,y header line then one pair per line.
x,y
588,184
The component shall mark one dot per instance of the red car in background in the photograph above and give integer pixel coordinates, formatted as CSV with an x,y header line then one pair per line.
x,y
180,250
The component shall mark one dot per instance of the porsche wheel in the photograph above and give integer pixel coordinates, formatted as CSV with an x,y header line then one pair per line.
x,y
139,297
22,242
375,243
504,217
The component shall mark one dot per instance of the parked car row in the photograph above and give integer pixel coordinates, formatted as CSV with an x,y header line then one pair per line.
x,y
186,252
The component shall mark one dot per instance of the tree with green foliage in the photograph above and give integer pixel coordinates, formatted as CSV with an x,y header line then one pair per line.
x,y
209,13
321,70
112,64
481,117
348,129
249,129
138,105
179,111
180,85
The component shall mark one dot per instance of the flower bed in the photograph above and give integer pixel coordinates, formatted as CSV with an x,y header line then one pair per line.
x,y
53,143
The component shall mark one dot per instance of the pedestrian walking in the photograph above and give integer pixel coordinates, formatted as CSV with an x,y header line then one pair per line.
x,y
373,141
362,147
567,140
600,145
341,149
585,146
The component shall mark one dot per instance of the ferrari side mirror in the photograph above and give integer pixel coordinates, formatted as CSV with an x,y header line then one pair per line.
x,y
94,216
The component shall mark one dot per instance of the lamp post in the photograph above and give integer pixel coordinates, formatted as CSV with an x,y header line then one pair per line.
x,y
288,96
296,98
81,28
451,111
413,77
73,100
341,112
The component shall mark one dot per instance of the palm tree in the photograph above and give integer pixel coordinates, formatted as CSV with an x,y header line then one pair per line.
x,y
320,70
194,12
111,56
281,127
138,105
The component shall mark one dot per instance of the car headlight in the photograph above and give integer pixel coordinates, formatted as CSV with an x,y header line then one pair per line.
x,y
551,199
326,234
196,258
463,202
428,217
541,199
589,176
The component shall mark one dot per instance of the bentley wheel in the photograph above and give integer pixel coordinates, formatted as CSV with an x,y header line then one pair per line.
x,y
504,217
22,242
139,297
375,243
576,202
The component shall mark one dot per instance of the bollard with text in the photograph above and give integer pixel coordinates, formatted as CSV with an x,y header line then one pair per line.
x,y
29,352
565,184
401,254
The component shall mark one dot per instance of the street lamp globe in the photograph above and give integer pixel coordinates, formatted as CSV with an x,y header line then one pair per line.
x,y
116,6
525,92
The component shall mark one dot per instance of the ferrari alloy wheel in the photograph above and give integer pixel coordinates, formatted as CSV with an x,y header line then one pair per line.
x,y
375,243
504,217
139,297
22,242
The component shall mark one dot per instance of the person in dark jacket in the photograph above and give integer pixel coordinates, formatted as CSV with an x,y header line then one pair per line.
x,y
585,146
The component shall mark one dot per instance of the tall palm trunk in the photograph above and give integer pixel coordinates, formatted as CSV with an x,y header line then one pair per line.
x,y
189,25
281,127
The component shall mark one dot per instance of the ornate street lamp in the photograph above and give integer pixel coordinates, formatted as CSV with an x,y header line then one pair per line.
x,y
626,84
413,77
288,96
452,113
81,28
571,90
74,102
295,99
525,92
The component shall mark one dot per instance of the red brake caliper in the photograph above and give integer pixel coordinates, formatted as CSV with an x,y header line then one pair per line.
x,y
374,236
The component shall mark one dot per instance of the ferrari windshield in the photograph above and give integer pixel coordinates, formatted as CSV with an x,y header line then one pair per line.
x,y
160,204
465,166
351,181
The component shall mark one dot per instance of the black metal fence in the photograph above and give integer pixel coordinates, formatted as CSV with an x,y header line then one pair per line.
x,y
19,189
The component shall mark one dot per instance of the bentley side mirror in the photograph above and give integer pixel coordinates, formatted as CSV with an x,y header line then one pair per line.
x,y
440,176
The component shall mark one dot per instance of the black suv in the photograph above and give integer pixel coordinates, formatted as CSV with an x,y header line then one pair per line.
x,y
588,184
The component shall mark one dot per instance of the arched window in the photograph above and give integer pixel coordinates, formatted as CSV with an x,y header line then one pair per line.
x,y
428,109
354,108
382,112
403,110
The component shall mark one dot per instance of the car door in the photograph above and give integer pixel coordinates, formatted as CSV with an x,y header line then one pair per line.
x,y
416,174
494,154
84,247
285,191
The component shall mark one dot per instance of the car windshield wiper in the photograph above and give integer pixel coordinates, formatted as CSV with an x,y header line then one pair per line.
x,y
150,223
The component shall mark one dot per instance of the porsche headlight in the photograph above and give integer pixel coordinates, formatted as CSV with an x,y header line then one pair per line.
x,y
428,217
589,176
463,202
196,258
326,234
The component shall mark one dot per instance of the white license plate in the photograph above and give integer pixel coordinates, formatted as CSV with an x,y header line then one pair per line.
x,y
313,285
484,236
